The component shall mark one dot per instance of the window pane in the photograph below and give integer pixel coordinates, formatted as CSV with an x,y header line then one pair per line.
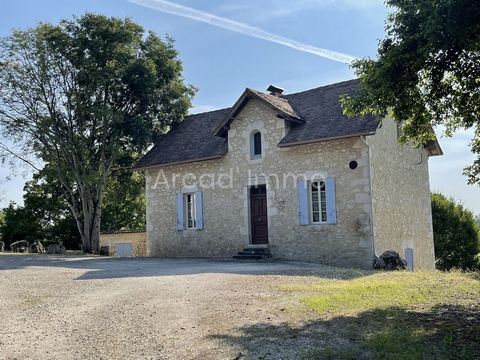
x,y
318,201
189,211
315,202
257,144
323,201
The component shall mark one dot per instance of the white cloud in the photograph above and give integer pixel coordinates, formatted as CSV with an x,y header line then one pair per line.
x,y
242,28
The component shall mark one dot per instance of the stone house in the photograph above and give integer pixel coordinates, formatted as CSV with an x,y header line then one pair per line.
x,y
291,174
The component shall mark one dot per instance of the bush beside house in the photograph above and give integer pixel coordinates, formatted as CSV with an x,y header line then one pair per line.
x,y
456,234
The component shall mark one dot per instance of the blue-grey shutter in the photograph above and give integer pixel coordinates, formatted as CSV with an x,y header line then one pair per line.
x,y
331,202
180,225
199,210
302,202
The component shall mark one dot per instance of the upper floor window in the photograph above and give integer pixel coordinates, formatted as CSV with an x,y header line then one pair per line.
x,y
256,145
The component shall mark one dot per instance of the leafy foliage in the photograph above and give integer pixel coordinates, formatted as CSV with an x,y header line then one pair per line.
x,y
45,214
455,234
427,72
88,96
124,207
20,224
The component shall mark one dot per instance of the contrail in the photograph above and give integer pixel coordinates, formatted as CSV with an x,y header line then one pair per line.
x,y
242,28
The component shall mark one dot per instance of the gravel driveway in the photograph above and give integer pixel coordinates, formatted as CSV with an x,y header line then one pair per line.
x,y
76,307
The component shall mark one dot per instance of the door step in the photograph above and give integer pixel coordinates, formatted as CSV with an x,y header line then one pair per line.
x,y
253,253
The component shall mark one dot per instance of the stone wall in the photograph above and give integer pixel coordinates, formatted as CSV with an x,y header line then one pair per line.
x,y
402,215
226,206
138,239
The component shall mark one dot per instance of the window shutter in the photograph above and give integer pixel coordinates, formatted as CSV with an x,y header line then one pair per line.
x,y
331,202
302,202
180,225
199,210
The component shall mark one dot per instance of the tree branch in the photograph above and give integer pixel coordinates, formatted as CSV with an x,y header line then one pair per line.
x,y
19,157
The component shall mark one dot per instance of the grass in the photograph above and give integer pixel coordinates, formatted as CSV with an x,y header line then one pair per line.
x,y
383,290
400,315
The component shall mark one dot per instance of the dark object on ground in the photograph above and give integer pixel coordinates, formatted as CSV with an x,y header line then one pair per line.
x,y
389,260
37,247
56,248
105,250
2,246
19,246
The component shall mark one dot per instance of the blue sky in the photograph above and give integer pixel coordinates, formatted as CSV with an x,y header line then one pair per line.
x,y
221,62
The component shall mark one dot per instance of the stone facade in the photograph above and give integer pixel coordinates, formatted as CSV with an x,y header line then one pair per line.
x,y
402,212
398,216
138,239
226,211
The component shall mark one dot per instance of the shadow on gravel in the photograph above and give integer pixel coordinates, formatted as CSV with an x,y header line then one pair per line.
x,y
109,267
444,332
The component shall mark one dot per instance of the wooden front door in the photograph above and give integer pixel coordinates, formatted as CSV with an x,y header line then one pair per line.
x,y
258,214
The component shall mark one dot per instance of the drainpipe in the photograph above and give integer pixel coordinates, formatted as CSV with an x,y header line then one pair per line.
x,y
372,229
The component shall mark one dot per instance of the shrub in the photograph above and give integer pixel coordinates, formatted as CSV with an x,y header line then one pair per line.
x,y
455,234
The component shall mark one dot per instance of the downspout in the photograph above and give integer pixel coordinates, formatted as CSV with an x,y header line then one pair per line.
x,y
372,229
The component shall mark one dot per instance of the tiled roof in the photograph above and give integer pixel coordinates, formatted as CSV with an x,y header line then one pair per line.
x,y
190,140
321,110
317,113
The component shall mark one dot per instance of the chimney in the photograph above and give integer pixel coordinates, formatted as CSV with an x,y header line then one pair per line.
x,y
275,90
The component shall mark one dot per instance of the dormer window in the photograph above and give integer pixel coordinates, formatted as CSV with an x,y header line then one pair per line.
x,y
256,145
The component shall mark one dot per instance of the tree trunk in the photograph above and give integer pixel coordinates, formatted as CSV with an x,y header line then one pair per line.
x,y
91,213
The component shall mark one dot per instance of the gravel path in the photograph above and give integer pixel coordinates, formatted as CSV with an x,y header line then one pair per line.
x,y
75,307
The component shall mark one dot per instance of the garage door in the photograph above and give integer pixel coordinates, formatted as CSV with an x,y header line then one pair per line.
x,y
123,250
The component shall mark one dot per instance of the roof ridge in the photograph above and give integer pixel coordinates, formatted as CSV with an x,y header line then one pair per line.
x,y
269,95
209,111
282,97
321,87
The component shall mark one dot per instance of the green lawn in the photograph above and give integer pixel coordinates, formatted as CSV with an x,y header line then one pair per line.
x,y
400,315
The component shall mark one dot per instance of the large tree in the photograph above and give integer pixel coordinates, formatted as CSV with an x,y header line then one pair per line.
x,y
427,72
83,95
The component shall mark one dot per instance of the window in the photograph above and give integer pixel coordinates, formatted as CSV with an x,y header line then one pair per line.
x,y
189,206
318,202
189,211
256,145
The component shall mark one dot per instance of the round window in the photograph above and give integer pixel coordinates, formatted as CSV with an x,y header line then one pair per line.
x,y
353,164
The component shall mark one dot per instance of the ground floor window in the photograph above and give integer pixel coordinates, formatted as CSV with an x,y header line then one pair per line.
x,y
318,202
189,206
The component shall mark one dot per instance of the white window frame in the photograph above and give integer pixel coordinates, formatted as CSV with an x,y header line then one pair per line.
x,y
254,156
321,195
189,210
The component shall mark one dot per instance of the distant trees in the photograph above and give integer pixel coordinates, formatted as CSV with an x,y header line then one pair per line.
x,y
455,233
46,216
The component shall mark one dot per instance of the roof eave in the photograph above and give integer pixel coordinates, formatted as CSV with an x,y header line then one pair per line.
x,y
142,168
340,137
434,148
